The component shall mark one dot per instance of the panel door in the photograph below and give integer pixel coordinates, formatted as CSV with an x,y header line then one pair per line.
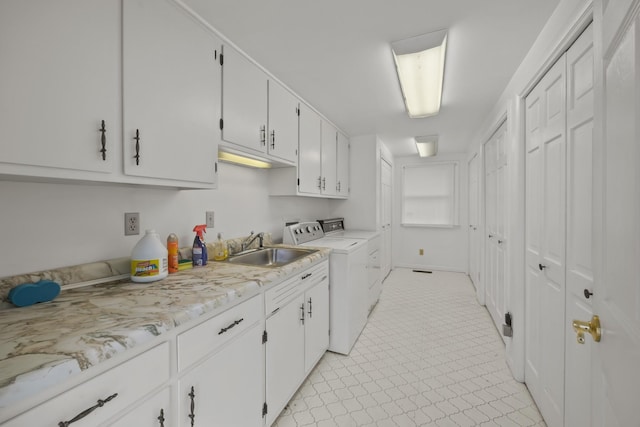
x,y
283,123
316,324
244,102
616,293
385,215
545,305
474,221
67,61
329,153
343,153
171,93
579,271
309,173
284,355
227,389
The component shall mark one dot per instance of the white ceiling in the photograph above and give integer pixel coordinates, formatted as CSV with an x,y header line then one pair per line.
x,y
335,54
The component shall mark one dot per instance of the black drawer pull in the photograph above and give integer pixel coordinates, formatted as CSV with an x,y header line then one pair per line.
x,y
192,415
223,330
137,138
161,418
306,276
86,412
310,308
103,141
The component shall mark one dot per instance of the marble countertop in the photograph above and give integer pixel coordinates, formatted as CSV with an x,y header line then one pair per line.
x,y
44,344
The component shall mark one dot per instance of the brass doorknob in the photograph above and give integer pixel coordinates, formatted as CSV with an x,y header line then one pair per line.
x,y
592,327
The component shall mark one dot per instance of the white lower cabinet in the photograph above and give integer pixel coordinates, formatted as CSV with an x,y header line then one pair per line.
x,y
153,412
106,396
227,388
297,328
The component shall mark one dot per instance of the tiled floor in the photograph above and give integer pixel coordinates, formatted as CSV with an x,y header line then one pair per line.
x,y
429,356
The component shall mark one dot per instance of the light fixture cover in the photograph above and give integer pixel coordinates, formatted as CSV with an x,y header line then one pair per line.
x,y
427,145
242,160
420,67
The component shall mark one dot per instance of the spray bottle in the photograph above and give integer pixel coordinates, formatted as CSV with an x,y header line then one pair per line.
x,y
200,254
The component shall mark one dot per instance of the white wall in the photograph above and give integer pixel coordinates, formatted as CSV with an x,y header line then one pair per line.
x,y
444,248
46,226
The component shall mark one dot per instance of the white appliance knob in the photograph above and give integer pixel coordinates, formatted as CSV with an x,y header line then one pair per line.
x,y
309,229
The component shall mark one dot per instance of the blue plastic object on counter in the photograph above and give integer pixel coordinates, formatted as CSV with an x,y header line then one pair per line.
x,y
32,293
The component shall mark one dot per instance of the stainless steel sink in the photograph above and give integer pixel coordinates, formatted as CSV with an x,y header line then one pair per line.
x,y
270,257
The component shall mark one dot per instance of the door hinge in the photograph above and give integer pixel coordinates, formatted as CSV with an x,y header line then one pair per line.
x,y
264,337
221,59
264,409
298,111
215,54
221,123
216,167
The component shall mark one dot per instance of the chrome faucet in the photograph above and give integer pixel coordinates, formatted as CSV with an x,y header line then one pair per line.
x,y
249,240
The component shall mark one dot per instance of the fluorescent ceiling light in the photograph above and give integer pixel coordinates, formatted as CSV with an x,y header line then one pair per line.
x,y
427,145
420,66
242,160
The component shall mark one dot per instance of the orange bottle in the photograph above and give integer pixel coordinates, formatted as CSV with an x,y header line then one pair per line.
x,y
172,249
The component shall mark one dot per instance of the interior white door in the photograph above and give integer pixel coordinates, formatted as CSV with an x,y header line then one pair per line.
x,y
579,257
545,243
385,216
495,219
616,299
474,221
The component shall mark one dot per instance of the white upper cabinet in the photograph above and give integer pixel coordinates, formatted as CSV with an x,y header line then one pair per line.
x,y
171,93
309,173
342,164
329,155
244,102
259,116
282,138
60,80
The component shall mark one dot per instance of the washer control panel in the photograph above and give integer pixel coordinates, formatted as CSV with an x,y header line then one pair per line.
x,y
302,232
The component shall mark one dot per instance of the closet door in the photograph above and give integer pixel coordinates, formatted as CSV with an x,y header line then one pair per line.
x,y
545,243
474,221
496,214
580,105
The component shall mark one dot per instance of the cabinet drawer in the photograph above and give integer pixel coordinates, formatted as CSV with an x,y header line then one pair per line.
x,y
131,381
201,340
280,294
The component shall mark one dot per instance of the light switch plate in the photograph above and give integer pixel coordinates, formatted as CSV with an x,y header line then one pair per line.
x,y
209,219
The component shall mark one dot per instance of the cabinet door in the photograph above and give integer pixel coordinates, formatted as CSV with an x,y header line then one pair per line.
x,y
283,123
329,154
284,355
342,162
171,93
309,175
244,102
316,323
153,412
227,389
60,79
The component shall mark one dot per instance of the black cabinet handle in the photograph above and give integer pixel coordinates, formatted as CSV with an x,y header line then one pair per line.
x,y
192,415
587,293
161,418
137,139
103,141
310,308
338,186
319,182
86,412
263,135
273,139
499,242
223,330
306,276
491,236
541,267
302,313
324,182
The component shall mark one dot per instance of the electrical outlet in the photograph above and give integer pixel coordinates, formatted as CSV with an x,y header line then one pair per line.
x,y
209,219
421,251
131,223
